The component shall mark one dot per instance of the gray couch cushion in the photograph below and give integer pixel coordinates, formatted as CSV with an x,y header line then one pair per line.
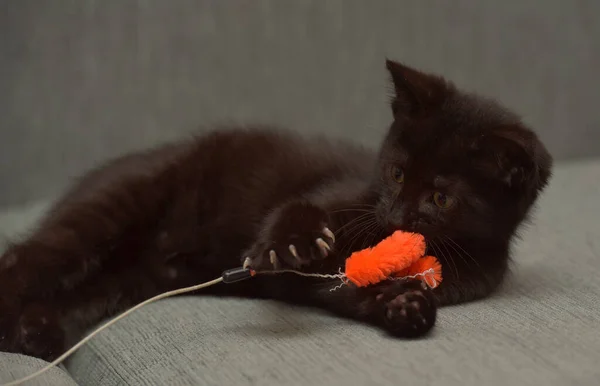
x,y
14,366
542,328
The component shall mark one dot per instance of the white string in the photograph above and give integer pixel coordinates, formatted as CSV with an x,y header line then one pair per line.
x,y
108,324
321,275
340,275
337,287
430,274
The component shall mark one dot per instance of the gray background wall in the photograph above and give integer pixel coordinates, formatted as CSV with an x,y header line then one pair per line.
x,y
82,81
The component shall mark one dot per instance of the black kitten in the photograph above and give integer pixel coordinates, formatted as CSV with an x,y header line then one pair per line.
x,y
459,169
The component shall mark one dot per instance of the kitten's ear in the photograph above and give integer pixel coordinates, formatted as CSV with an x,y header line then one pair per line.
x,y
415,91
521,160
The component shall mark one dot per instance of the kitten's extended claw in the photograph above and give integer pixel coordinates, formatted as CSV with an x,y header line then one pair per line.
x,y
273,258
294,251
327,232
295,238
323,246
247,263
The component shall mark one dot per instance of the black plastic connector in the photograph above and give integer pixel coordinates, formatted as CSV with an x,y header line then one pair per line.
x,y
237,274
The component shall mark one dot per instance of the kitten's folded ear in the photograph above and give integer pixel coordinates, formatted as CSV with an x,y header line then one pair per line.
x,y
415,92
520,159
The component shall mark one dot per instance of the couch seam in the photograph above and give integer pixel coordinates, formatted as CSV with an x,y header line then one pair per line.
x,y
103,360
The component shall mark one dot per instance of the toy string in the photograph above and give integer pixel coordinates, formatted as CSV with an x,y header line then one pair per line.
x,y
242,274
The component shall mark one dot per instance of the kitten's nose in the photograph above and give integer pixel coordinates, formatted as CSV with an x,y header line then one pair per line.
x,y
411,217
408,220
412,221
395,221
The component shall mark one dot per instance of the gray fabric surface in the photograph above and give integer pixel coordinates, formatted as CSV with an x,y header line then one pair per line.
x,y
83,80
541,328
14,366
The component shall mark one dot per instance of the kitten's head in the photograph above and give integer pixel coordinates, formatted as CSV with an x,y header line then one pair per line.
x,y
454,164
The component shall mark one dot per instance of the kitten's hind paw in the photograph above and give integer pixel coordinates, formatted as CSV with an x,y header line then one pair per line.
x,y
41,334
35,331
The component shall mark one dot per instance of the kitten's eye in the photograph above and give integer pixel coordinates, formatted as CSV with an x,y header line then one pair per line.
x,y
443,201
397,174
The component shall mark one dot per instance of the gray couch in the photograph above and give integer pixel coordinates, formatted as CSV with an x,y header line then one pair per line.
x,y
83,81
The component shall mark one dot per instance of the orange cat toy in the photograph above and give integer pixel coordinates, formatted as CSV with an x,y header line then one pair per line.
x,y
400,255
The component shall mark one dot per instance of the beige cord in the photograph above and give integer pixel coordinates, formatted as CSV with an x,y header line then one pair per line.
x,y
61,358
110,323
142,304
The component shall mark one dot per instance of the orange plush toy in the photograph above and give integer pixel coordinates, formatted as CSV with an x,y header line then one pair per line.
x,y
400,255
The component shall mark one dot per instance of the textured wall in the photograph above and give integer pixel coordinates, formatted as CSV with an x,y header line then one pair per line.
x,y
81,81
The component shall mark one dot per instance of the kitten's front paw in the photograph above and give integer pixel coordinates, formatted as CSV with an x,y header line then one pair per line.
x,y
297,236
409,308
